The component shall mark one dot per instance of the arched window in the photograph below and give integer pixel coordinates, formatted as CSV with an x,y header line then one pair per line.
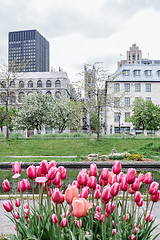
x,y
57,83
48,83
39,83
30,93
49,93
3,84
12,84
30,84
21,84
3,97
58,94
12,98
20,97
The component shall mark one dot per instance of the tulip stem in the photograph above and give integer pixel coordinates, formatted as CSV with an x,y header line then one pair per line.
x,y
126,201
33,194
147,202
122,203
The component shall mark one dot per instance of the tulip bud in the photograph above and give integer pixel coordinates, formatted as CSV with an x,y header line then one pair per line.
x,y
114,189
108,208
56,196
116,167
25,206
135,186
63,222
54,218
135,230
16,215
77,223
140,203
52,163
27,184
93,170
17,203
120,176
105,174
31,172
106,194
131,176
84,192
16,167
7,206
98,209
153,189
26,213
44,167
102,182
82,179
155,198
63,172
149,217
148,178
137,196
97,194
132,237
113,231
113,180
6,186
92,182
52,173
127,217
124,184
141,177
57,179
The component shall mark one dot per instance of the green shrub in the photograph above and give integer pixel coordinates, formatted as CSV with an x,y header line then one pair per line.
x,y
137,157
16,136
2,135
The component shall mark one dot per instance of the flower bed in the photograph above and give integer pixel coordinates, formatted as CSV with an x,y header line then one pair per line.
x,y
88,209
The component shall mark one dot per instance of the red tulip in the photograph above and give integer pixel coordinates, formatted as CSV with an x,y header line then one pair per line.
x,y
57,179
106,194
52,173
44,167
93,170
105,174
115,189
63,172
137,196
54,218
124,184
153,189
155,198
98,209
6,186
148,178
116,167
135,186
132,237
82,179
84,192
97,194
31,172
131,176
114,231
16,167
17,203
7,206
92,182
102,182
140,203
63,222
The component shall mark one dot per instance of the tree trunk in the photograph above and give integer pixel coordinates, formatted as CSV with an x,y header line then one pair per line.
x,y
7,116
98,116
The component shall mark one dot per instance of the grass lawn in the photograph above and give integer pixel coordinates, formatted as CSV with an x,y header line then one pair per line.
x,y
76,147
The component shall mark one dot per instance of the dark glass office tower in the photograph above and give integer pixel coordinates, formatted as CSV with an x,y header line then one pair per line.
x,y
28,51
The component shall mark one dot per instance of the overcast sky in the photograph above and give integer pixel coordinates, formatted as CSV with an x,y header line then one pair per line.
x,y
85,31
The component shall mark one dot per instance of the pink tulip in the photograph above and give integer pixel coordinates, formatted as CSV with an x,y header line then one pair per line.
x,y
116,167
98,209
17,203
80,207
57,179
52,164
84,170
148,178
155,198
127,217
137,196
149,217
77,223
52,173
25,206
105,174
153,189
54,218
38,171
97,215
114,189
132,237
16,215
108,208
97,194
102,182
135,230
120,176
114,231
26,213
70,193
92,182
131,176
31,172
7,206
63,172
106,194
16,167
141,177
6,186
56,196
41,179
113,180
44,167
23,188
93,170
135,186
82,179
140,203
63,222
124,184
84,192
27,184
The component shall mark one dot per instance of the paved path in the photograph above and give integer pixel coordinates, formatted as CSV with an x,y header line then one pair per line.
x,y
6,226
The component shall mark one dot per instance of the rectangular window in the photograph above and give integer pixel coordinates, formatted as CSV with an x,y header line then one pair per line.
x,y
148,87
127,87
127,101
148,98
126,72
148,73
127,115
116,102
116,87
137,73
117,117
137,87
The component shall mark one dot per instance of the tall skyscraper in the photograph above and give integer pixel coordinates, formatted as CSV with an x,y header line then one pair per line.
x,y
28,51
